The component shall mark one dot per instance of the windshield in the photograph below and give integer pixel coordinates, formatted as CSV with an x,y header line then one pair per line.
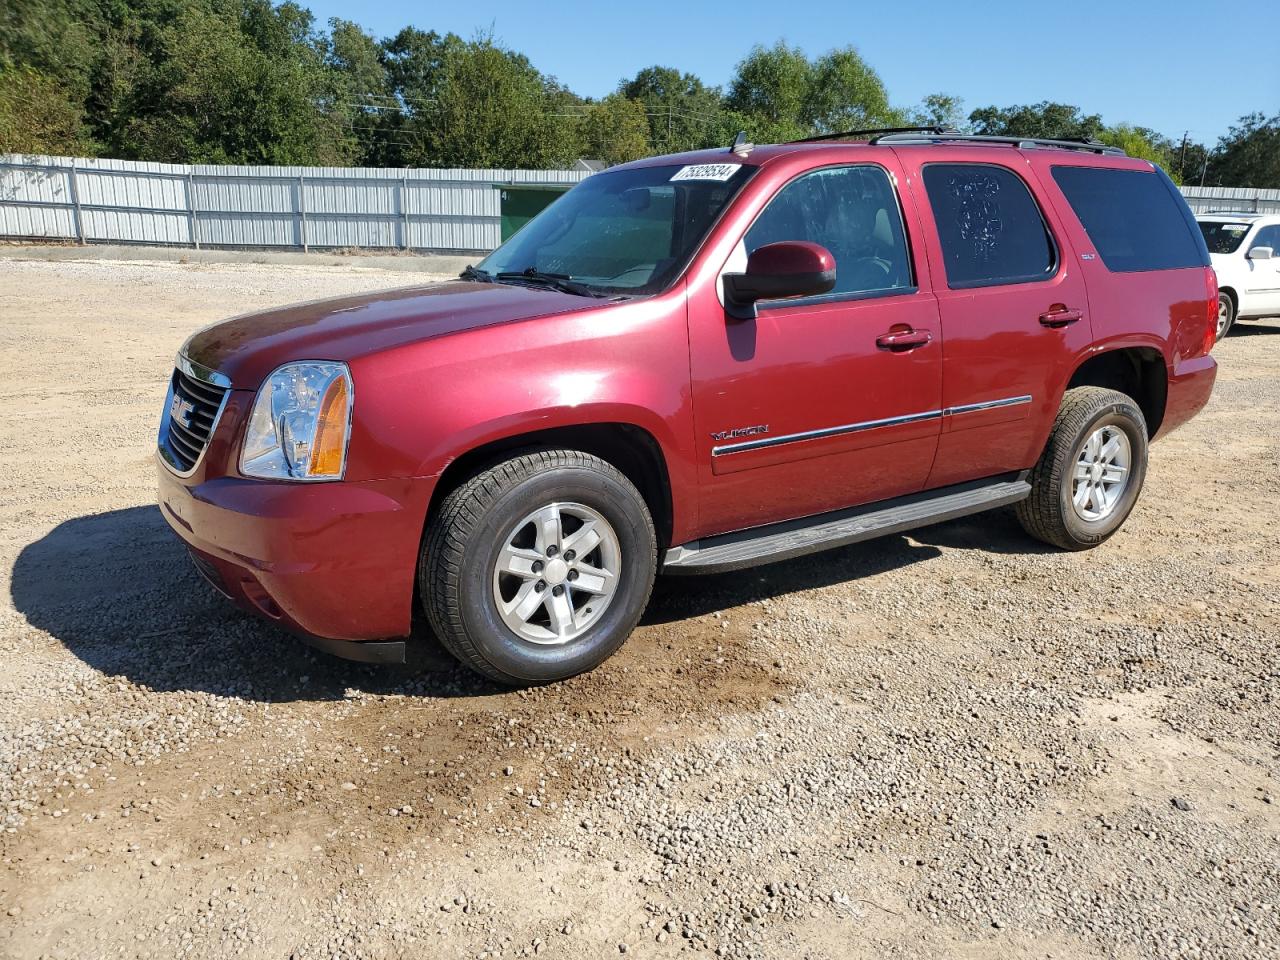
x,y
622,232
1223,237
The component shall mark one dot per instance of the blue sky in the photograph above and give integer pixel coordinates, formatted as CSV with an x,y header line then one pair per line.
x,y
1172,66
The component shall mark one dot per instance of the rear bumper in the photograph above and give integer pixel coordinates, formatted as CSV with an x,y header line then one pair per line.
x,y
334,562
1189,390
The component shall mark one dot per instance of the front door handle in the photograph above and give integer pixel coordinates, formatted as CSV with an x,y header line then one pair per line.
x,y
1060,316
899,341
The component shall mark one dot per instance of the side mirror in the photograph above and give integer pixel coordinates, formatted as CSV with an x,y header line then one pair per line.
x,y
790,268
1261,253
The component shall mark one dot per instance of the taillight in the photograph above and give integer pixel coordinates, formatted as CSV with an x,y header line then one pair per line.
x,y
1211,317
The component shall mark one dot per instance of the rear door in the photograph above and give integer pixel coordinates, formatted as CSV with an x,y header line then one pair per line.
x,y
1012,304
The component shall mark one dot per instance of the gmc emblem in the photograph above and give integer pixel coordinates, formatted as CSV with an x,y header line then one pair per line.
x,y
181,410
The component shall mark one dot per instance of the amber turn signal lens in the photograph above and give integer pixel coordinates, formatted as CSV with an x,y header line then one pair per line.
x,y
331,431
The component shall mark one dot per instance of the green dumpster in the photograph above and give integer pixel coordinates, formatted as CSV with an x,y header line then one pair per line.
x,y
521,202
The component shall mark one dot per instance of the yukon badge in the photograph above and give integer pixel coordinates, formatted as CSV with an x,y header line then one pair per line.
x,y
737,432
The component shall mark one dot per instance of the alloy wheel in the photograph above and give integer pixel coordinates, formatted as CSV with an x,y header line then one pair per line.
x,y
556,573
1101,473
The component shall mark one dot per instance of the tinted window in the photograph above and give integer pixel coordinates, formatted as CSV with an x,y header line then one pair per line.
x,y
990,227
853,212
624,231
1136,220
1223,237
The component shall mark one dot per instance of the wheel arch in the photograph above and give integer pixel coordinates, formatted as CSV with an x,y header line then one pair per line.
x,y
1139,372
632,449
1234,297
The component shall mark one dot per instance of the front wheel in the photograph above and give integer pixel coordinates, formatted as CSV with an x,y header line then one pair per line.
x,y
538,568
1091,472
1226,315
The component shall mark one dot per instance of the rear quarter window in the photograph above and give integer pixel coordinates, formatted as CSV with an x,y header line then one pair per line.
x,y
1136,220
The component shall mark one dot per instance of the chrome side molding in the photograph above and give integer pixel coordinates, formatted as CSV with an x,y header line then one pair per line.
x,y
986,405
848,428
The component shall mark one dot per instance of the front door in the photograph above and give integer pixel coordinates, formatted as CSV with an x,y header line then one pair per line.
x,y
1264,275
1014,306
821,402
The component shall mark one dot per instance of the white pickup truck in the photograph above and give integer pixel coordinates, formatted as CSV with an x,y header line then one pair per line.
x,y
1245,250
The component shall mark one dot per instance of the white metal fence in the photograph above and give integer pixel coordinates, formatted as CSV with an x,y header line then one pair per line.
x,y
1232,199
122,201
459,211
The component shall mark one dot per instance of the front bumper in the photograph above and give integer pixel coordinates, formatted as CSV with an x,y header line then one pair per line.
x,y
334,562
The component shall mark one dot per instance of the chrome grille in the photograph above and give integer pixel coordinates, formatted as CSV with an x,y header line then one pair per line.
x,y
191,411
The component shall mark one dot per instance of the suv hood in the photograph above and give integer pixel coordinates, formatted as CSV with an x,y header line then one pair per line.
x,y
249,347
1225,261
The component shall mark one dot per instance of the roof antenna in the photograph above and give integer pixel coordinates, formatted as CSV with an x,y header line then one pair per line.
x,y
741,145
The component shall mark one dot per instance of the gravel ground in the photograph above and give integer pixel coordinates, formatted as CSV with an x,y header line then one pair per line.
x,y
955,743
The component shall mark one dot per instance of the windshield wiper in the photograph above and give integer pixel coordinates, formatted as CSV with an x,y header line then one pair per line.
x,y
475,273
556,281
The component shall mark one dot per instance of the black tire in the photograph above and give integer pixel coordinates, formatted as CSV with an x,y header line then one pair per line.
x,y
1226,314
462,545
1049,513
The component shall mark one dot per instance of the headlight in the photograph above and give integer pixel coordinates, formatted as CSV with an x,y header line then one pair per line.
x,y
300,423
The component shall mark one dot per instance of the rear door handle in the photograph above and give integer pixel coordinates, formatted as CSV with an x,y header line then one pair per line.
x,y
1060,316
902,340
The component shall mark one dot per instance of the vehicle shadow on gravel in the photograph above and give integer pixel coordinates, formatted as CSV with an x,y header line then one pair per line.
x,y
994,531
1250,328
677,598
998,531
120,592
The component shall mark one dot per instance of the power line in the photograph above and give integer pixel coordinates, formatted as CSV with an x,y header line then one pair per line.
x,y
584,108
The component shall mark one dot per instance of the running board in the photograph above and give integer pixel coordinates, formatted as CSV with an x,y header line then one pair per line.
x,y
795,538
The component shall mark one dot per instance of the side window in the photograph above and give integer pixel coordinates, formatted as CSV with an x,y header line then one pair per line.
x,y
991,230
1136,219
853,212
1268,237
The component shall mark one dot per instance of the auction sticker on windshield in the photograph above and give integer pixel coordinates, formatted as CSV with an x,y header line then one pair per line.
x,y
707,171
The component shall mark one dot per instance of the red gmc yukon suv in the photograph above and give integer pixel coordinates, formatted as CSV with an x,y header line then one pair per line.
x,y
690,364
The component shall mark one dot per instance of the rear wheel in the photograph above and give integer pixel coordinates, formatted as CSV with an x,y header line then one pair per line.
x,y
539,567
1091,472
1226,314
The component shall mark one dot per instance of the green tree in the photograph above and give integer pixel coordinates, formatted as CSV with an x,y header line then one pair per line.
x,y
1045,120
614,130
1249,155
249,87
771,90
37,116
362,92
939,110
683,113
56,38
781,95
1142,143
845,93
493,109
1191,161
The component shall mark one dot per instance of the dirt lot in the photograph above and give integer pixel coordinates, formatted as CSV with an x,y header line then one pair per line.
x,y
955,743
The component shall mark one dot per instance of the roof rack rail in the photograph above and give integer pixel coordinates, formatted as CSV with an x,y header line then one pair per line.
x,y
907,137
873,132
